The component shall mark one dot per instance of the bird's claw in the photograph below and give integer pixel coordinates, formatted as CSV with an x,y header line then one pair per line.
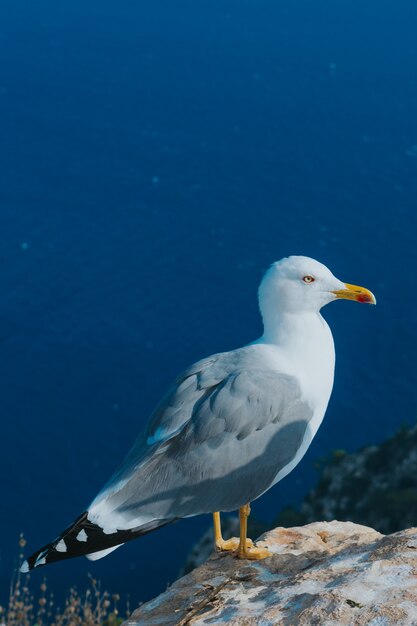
x,y
252,553
231,545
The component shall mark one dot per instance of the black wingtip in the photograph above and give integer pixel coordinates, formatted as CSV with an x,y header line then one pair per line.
x,y
84,537
81,538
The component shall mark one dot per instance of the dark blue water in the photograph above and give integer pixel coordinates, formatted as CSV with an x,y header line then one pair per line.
x,y
155,158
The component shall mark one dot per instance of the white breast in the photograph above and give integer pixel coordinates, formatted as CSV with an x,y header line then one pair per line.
x,y
304,348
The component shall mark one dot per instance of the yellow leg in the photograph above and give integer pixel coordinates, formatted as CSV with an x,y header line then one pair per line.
x,y
224,544
244,551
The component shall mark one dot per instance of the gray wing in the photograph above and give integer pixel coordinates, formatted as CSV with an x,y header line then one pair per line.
x,y
216,441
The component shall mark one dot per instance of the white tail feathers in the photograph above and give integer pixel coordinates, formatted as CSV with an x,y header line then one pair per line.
x,y
95,556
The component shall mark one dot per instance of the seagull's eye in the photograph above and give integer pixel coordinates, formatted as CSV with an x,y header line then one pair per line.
x,y
308,279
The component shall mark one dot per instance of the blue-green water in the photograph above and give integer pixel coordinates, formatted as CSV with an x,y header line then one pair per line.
x,y
155,158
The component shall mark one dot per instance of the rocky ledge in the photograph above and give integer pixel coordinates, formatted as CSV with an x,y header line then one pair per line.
x,y
325,573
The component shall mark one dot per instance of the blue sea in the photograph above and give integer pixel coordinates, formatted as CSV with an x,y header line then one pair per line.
x,y
155,158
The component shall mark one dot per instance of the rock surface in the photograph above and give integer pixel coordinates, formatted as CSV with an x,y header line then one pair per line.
x,y
324,574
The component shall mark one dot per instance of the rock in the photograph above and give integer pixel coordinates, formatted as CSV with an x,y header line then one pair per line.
x,y
324,574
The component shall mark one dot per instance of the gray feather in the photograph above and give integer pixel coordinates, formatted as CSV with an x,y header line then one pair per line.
x,y
216,441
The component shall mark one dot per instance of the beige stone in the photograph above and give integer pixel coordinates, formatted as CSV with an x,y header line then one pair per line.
x,y
324,574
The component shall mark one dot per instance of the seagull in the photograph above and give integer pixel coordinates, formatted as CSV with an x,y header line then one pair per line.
x,y
230,427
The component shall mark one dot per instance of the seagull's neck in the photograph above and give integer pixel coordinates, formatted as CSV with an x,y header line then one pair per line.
x,y
304,348
295,330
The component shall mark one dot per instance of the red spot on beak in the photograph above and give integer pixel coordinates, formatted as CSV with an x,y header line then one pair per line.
x,y
363,297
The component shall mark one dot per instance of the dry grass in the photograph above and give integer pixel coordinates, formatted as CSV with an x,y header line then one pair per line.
x,y
94,607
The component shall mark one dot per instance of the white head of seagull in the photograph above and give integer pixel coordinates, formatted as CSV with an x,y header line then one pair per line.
x,y
299,284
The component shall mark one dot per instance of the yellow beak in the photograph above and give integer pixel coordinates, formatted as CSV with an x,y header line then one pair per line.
x,y
353,292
